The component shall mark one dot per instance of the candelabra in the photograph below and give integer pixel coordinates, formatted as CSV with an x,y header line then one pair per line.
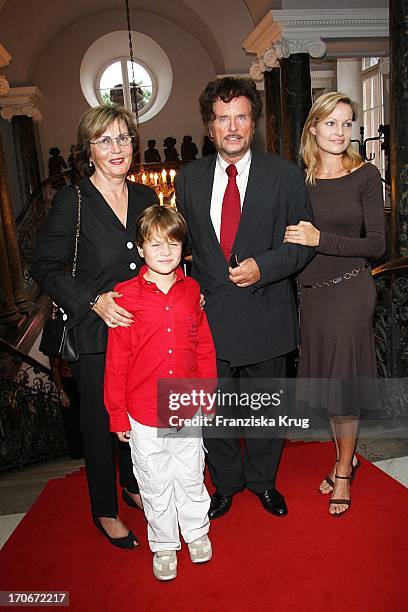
x,y
162,183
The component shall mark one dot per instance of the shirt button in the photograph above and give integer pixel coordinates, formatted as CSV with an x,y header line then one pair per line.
x,y
170,351
132,266
64,317
167,308
169,329
129,245
170,371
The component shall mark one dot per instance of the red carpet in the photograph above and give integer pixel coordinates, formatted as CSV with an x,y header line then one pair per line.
x,y
306,562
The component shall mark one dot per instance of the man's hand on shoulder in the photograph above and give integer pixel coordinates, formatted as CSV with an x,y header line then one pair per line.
x,y
246,274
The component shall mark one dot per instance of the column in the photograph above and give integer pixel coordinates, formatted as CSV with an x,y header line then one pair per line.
x,y
26,154
293,56
296,102
273,111
10,239
399,127
8,311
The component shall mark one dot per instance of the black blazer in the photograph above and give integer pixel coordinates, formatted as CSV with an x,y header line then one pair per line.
x,y
256,323
106,255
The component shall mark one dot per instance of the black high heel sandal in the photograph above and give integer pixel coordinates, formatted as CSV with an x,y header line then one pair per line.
x,y
127,542
330,482
129,501
354,469
346,502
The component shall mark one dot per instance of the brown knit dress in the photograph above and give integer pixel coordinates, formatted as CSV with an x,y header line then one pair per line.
x,y
337,321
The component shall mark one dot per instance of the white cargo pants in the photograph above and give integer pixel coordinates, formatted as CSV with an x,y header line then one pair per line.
x,y
170,472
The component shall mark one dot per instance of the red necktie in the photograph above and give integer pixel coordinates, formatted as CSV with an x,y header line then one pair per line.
x,y
230,212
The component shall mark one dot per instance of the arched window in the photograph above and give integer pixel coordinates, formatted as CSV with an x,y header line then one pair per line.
x,y
106,73
116,82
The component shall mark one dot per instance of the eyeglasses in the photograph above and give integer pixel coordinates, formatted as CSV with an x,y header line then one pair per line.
x,y
106,142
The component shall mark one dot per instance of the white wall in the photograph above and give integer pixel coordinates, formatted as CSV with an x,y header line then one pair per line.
x,y
349,82
57,75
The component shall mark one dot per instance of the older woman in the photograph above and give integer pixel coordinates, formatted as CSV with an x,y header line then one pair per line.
x,y
107,254
337,291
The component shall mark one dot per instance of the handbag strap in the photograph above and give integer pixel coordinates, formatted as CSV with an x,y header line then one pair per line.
x,y
54,310
78,229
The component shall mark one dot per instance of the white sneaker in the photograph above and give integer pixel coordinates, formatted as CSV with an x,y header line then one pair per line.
x,y
165,564
200,550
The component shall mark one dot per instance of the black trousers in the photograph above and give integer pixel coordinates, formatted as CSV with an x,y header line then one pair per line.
x,y
70,417
232,467
100,446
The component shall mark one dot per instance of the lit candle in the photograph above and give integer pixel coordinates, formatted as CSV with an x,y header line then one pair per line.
x,y
144,178
161,198
132,178
164,175
156,178
151,177
173,201
172,175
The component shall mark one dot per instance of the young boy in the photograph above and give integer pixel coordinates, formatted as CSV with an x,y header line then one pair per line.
x,y
169,338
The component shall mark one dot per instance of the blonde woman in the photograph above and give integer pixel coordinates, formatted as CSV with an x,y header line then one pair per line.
x,y
337,291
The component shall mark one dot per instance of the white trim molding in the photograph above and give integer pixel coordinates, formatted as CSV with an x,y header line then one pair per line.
x,y
327,23
322,79
281,33
267,32
22,101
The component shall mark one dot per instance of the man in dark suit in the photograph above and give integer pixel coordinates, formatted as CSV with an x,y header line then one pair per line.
x,y
237,204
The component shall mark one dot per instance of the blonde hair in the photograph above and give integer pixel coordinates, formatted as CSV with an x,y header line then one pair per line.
x,y
96,120
162,221
322,108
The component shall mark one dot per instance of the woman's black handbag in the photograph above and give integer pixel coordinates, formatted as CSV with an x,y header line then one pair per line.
x,y
58,340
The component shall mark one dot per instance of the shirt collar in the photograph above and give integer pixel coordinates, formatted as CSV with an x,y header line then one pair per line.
x,y
180,276
240,165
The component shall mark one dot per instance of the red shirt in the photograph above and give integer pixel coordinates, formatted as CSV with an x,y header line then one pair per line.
x,y
169,338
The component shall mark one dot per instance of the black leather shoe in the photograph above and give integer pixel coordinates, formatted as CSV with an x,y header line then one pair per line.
x,y
273,502
220,504
130,541
129,501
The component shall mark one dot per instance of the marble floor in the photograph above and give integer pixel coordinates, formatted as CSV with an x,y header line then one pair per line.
x,y
19,489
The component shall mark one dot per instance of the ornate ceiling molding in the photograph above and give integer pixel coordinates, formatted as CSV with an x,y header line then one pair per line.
x,y
327,23
281,33
22,101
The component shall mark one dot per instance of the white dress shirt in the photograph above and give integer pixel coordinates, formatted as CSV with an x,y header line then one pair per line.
x,y
221,182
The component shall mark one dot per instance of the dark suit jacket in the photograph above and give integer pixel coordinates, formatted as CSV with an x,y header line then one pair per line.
x,y
257,323
106,252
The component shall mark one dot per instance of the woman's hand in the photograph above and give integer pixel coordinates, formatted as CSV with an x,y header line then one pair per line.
x,y
110,312
303,233
123,436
